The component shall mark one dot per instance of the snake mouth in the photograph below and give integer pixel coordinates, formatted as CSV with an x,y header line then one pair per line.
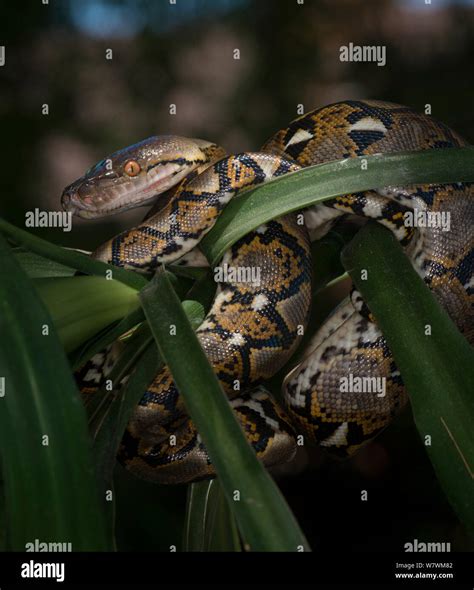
x,y
79,206
86,208
69,202
90,201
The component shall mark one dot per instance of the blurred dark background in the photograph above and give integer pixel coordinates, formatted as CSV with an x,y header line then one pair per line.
x,y
183,54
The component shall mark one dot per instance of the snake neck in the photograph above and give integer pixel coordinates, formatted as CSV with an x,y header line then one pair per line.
x,y
190,212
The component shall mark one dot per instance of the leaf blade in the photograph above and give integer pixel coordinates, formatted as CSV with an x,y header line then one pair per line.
x,y
41,400
70,258
209,522
440,376
315,184
265,521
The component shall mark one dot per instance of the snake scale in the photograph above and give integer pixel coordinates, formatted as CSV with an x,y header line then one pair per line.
x,y
253,327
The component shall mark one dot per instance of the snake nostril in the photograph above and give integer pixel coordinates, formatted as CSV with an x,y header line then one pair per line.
x,y
68,200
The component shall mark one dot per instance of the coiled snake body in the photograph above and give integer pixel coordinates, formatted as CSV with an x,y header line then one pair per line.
x,y
253,328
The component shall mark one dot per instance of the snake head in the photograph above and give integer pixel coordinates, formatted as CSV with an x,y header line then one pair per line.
x,y
136,175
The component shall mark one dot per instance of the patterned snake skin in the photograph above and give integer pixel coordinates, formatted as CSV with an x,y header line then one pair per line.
x,y
253,328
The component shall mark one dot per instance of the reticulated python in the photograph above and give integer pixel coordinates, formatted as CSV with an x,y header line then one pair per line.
x,y
253,328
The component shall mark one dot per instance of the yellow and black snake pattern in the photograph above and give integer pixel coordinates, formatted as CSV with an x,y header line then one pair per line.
x,y
253,327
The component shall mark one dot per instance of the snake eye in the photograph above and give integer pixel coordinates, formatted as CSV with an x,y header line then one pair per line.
x,y
132,168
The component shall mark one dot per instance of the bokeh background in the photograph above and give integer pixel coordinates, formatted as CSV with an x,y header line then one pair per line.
x,y
183,54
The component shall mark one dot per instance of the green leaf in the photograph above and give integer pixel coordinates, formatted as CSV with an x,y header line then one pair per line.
x,y
109,414
189,272
194,311
265,520
106,337
438,369
203,290
82,306
70,258
209,523
50,489
316,184
143,362
39,267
